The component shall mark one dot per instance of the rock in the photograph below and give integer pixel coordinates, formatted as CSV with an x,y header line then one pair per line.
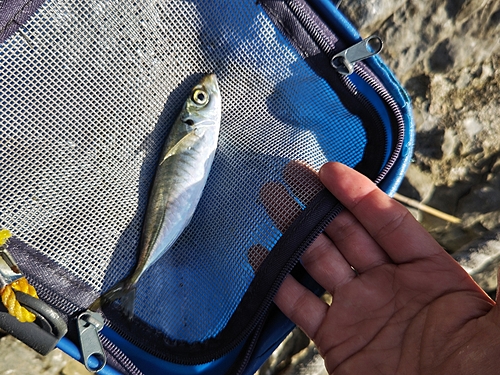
x,y
446,54
12,350
482,203
442,57
74,368
16,358
421,181
296,355
366,14
450,143
444,198
430,37
309,362
457,145
482,198
481,259
281,358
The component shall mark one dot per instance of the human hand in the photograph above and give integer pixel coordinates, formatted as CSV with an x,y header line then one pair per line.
x,y
408,309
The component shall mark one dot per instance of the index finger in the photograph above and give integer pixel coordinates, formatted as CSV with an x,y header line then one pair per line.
x,y
389,223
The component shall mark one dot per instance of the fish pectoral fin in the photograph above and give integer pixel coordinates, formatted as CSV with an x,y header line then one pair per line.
x,y
180,146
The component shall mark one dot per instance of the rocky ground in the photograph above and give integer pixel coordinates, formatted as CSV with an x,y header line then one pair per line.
x,y
446,54
18,359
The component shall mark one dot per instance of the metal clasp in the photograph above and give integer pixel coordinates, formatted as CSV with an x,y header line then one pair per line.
x,y
345,60
89,324
9,271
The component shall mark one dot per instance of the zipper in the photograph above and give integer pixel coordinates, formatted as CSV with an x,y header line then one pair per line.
x,y
345,64
89,324
193,359
365,73
344,61
252,330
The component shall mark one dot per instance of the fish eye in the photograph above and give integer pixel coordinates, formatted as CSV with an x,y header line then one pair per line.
x,y
200,97
189,122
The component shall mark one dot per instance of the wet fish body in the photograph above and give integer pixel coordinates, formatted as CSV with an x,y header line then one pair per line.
x,y
179,181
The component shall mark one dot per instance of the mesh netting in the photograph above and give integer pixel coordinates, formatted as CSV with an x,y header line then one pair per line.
x,y
85,107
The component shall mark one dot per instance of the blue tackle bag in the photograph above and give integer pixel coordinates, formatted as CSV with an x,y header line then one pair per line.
x,y
88,93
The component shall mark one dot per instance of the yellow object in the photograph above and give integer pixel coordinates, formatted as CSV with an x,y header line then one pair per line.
x,y
13,306
22,285
4,236
7,294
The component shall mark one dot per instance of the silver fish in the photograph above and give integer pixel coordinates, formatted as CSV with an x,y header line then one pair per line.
x,y
179,181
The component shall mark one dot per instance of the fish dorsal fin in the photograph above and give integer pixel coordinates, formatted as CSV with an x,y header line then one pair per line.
x,y
180,145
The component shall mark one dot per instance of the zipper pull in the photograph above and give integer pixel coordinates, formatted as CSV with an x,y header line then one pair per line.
x,y
344,61
89,324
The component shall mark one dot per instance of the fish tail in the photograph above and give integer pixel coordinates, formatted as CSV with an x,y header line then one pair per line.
x,y
124,291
